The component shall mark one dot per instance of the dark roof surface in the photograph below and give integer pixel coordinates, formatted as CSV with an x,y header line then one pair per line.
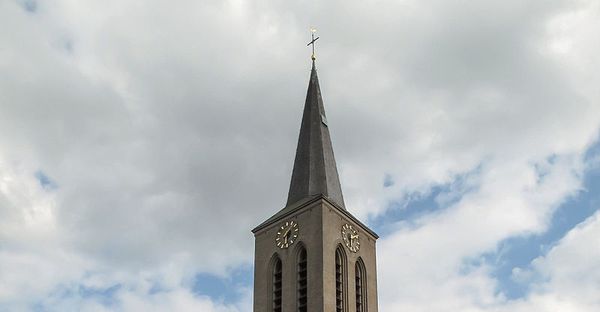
x,y
315,171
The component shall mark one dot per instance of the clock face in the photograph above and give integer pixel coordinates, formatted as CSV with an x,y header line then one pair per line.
x,y
350,237
287,234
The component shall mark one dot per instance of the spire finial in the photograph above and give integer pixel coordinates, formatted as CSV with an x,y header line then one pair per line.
x,y
312,34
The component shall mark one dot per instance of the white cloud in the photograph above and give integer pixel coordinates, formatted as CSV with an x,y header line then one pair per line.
x,y
571,270
164,124
433,258
569,274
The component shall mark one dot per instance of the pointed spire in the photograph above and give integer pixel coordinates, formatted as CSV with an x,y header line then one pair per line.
x,y
315,171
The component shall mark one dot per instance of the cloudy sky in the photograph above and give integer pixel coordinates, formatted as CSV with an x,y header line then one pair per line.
x,y
140,141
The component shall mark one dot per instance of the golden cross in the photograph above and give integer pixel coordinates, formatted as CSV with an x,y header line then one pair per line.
x,y
312,33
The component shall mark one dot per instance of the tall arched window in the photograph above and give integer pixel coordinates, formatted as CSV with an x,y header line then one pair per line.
x,y
302,280
340,283
360,284
277,276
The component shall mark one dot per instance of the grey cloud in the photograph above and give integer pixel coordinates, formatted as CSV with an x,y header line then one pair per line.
x,y
171,129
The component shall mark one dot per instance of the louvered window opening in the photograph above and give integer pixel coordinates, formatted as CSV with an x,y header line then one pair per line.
x,y
277,281
302,281
359,283
339,281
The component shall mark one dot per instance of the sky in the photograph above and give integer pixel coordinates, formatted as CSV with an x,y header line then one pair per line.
x,y
141,141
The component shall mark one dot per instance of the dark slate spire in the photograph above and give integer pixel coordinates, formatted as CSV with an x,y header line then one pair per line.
x,y
315,172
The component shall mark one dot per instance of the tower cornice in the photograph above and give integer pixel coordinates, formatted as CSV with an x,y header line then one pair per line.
x,y
298,206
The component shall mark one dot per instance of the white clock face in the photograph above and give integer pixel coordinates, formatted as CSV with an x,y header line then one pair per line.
x,y
287,234
350,237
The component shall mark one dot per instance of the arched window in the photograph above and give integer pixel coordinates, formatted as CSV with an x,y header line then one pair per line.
x,y
302,280
360,284
340,280
277,274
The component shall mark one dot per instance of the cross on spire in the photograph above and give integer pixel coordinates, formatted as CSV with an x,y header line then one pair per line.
x,y
312,33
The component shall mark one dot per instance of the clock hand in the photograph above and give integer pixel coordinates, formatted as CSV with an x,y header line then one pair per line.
x,y
286,233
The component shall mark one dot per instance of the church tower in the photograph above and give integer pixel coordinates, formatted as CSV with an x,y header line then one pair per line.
x,y
314,255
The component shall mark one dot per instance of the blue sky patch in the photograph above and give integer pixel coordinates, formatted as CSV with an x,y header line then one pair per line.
x,y
45,181
513,253
30,6
388,180
519,252
419,204
104,296
224,289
